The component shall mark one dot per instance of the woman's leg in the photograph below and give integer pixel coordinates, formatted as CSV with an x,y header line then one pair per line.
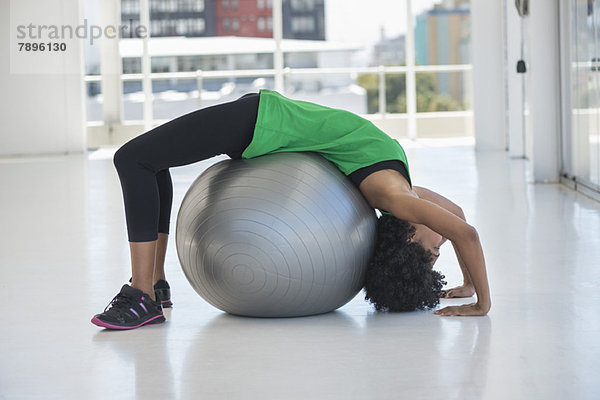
x,y
147,190
165,194
159,259
141,253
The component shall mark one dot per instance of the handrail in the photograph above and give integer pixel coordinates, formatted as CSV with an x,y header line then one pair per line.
x,y
245,73
381,71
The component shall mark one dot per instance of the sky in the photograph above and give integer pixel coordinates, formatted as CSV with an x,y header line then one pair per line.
x,y
360,21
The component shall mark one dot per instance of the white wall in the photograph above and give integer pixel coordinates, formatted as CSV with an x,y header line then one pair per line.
x,y
42,113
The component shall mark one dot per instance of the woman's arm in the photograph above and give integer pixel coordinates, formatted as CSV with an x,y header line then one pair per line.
x,y
463,236
466,289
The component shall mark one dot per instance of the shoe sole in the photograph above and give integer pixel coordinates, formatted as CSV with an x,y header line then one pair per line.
x,y
166,304
159,319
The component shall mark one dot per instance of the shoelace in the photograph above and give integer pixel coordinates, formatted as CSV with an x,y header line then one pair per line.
x,y
120,303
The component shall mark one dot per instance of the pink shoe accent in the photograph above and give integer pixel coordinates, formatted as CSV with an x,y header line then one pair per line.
x,y
103,324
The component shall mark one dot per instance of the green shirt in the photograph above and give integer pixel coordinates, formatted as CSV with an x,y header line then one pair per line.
x,y
346,139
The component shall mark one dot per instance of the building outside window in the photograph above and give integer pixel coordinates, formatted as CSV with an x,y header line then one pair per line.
x,y
200,25
303,24
154,28
130,7
261,24
173,17
199,5
304,19
182,27
163,5
302,5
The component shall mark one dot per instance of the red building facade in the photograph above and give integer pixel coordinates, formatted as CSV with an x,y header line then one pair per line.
x,y
302,19
250,18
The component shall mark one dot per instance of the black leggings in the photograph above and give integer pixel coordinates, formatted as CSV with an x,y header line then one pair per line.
x,y
143,163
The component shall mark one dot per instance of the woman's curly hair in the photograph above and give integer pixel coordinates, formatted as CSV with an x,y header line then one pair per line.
x,y
399,276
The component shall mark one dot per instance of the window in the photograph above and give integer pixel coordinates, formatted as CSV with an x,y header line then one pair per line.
x,y
168,27
182,26
225,24
303,24
234,4
130,7
261,24
235,24
191,5
270,23
269,3
260,4
303,5
199,25
163,5
160,64
154,27
132,65
225,4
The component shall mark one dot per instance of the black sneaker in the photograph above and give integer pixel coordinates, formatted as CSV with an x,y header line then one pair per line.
x,y
129,309
162,291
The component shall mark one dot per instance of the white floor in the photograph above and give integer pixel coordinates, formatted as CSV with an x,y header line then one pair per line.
x,y
64,255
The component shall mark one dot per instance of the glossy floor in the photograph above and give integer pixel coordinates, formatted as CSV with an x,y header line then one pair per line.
x,y
64,255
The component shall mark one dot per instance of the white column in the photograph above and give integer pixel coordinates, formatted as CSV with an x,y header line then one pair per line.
x,y
111,66
146,64
543,82
487,47
278,37
572,158
411,80
514,81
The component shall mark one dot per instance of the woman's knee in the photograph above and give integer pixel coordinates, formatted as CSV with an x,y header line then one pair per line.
x,y
122,156
129,155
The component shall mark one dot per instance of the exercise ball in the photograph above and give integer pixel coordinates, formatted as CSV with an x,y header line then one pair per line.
x,y
280,235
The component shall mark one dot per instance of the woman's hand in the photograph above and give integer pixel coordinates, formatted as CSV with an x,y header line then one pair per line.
x,y
474,309
466,290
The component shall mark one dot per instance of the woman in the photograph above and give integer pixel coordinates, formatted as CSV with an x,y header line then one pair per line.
x,y
416,221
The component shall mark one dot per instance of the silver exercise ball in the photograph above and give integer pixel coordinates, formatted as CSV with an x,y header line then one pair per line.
x,y
281,235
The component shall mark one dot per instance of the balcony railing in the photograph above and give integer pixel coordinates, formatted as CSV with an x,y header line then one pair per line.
x,y
411,115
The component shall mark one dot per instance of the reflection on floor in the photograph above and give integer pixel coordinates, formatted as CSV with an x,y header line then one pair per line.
x,y
64,256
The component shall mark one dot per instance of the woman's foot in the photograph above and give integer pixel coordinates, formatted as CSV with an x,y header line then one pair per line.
x,y
129,309
162,292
